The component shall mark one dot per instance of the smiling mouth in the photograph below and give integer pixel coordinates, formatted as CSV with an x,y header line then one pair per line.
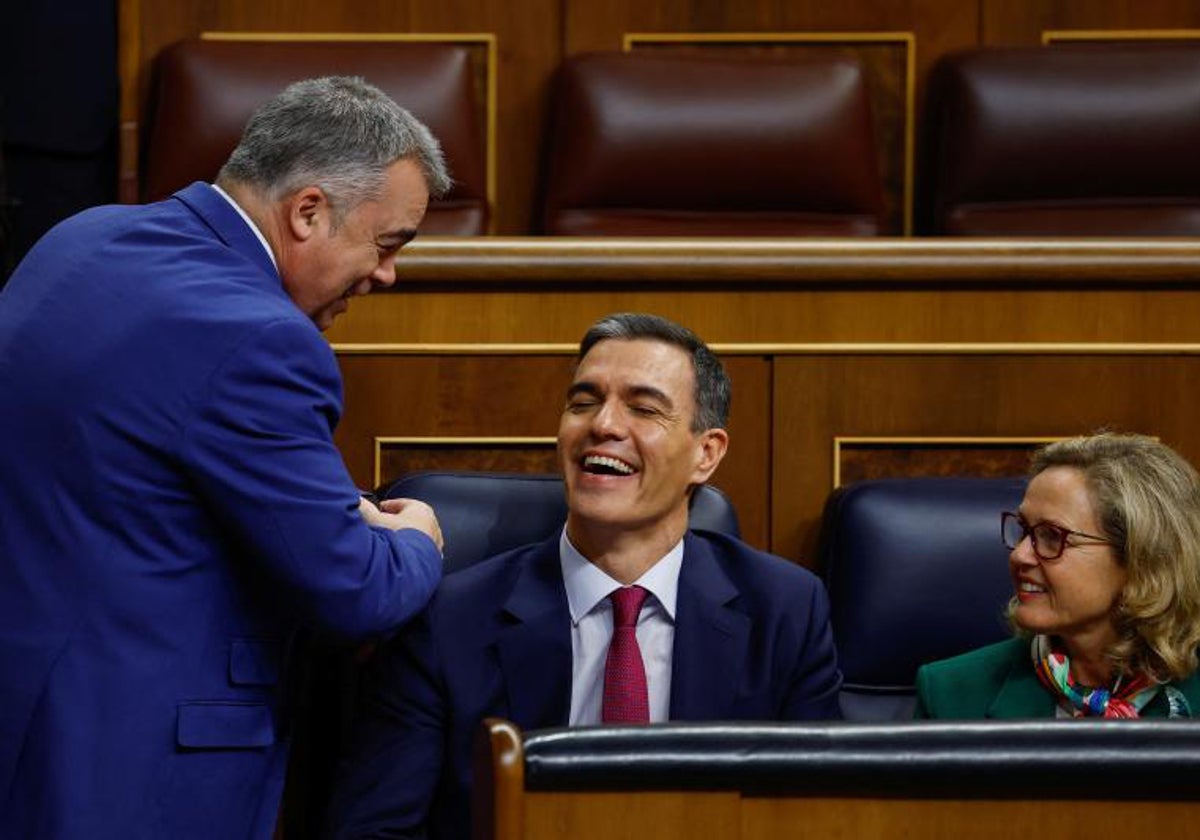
x,y
1033,588
606,465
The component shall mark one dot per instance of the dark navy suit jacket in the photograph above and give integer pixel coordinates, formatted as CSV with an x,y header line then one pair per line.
x,y
172,507
752,642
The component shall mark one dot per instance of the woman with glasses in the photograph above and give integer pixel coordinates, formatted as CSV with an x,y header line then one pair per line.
x,y
1105,565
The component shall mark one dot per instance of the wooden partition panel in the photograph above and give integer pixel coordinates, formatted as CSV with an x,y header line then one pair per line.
x,y
994,345
730,816
522,291
985,399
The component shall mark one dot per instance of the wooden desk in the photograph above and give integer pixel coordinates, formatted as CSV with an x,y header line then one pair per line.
x,y
1060,779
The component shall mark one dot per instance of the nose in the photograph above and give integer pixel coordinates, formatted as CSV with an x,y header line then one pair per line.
x,y
608,422
385,273
1023,554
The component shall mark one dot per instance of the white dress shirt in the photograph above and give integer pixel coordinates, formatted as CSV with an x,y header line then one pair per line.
x,y
588,589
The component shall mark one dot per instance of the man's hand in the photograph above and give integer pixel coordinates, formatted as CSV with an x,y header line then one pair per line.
x,y
402,513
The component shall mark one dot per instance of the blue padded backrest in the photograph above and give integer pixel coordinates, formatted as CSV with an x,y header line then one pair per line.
x,y
484,513
916,572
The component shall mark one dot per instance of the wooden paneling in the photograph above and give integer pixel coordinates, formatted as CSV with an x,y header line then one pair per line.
x,y
602,816
894,339
542,290
820,397
868,459
596,816
1006,24
771,818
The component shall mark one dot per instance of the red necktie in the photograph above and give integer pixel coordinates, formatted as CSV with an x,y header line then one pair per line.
x,y
625,698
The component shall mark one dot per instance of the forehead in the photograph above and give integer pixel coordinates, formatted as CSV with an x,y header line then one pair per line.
x,y
1060,494
618,362
402,204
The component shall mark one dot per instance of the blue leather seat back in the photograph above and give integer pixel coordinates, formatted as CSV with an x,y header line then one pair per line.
x,y
485,513
916,572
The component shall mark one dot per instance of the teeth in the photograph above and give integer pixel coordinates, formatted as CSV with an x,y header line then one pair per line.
x,y
1026,586
610,463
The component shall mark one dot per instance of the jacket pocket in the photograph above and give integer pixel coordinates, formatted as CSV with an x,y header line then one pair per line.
x,y
215,724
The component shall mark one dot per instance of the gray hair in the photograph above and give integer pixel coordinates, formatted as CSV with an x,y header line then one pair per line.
x,y
713,392
338,133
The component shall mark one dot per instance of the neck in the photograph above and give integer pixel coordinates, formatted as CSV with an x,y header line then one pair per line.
x,y
622,554
1089,664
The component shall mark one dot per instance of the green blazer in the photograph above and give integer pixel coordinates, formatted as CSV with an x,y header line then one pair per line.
x,y
998,681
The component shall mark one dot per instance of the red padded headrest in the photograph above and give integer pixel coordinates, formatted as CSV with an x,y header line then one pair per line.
x,y
206,91
704,143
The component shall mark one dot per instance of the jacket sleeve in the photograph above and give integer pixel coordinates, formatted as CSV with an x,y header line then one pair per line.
x,y
259,448
816,680
388,778
924,695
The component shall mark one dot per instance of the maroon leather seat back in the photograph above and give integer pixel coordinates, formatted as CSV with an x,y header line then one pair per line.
x,y
692,144
1072,140
205,91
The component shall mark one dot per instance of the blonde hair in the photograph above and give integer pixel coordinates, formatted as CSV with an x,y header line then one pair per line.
x,y
1147,498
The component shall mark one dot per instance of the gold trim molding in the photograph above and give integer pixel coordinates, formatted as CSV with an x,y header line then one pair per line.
x,y
840,441
812,349
1059,36
498,441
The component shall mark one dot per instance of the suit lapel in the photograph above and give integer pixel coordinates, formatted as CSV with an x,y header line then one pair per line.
x,y
230,227
711,639
1021,694
535,649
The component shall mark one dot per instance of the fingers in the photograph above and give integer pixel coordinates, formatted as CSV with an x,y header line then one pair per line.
x,y
406,513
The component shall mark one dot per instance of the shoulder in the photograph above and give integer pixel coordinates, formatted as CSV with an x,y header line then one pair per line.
x,y
748,568
966,685
484,587
990,658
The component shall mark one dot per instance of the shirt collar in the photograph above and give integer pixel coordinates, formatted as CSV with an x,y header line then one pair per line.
x,y
587,585
258,233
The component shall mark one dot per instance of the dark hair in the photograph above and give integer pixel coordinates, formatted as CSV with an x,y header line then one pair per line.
x,y
338,133
712,393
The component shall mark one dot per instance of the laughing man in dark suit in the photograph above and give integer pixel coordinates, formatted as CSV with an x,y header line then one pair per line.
x,y
725,632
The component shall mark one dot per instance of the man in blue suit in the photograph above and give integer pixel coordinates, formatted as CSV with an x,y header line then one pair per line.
x,y
724,632
173,503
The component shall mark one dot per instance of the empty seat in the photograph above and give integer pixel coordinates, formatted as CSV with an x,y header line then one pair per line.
x,y
708,144
206,90
1070,140
916,572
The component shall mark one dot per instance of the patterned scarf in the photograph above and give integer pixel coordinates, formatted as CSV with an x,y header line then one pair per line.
x,y
1125,699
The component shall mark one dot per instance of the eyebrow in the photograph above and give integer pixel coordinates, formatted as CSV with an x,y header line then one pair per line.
x,y
397,238
582,388
634,391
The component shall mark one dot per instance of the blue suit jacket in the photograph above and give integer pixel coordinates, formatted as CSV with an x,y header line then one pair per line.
x,y
752,642
173,505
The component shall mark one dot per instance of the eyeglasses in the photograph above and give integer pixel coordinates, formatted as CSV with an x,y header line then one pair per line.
x,y
1049,540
